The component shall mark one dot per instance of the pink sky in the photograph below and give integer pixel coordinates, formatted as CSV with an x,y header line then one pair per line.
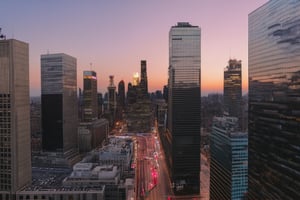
x,y
115,35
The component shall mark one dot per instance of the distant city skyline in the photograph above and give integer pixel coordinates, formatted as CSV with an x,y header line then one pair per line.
x,y
115,36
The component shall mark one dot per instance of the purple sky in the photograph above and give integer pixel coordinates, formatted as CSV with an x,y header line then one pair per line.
x,y
114,35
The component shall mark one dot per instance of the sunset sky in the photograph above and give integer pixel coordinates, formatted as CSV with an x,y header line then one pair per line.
x,y
114,35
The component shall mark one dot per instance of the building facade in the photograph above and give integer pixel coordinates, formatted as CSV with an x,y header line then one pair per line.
x,y
92,134
144,79
90,96
59,102
184,107
121,94
233,89
121,100
15,149
274,101
112,98
229,160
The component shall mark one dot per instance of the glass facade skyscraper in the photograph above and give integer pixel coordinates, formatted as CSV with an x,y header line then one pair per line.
x,y
112,97
15,149
90,98
274,101
184,107
229,160
233,89
144,79
59,102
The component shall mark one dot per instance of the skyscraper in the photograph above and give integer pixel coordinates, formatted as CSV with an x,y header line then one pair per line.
x,y
121,99
184,107
233,89
15,149
90,98
121,94
59,102
112,97
274,101
144,79
229,160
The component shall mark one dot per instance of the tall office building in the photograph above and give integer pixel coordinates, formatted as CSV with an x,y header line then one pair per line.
x,y
144,79
59,102
112,97
274,101
121,99
229,160
90,98
184,107
121,94
15,149
100,105
233,89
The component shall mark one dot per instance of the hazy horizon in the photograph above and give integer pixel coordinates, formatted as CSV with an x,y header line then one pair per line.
x,y
115,36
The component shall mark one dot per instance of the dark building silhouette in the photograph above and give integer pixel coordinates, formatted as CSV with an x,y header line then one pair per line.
x,y
59,102
80,104
233,89
274,101
131,94
184,108
105,103
35,124
112,101
138,109
121,99
100,105
144,79
165,93
121,93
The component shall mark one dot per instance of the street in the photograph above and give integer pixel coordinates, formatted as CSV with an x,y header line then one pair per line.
x,y
152,178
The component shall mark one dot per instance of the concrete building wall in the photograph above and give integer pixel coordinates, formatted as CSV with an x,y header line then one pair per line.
x,y
15,116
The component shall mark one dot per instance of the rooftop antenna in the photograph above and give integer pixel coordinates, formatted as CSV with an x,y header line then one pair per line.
x,y
2,36
91,66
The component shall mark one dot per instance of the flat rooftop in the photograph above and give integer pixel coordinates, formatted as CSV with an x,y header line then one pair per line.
x,y
51,179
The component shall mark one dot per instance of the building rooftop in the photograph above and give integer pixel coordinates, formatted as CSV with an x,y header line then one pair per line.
x,y
51,179
229,125
183,25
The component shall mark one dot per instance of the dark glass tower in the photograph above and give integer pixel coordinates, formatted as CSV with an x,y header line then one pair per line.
x,y
121,94
121,99
59,102
90,98
184,107
144,79
112,97
131,94
274,101
233,89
